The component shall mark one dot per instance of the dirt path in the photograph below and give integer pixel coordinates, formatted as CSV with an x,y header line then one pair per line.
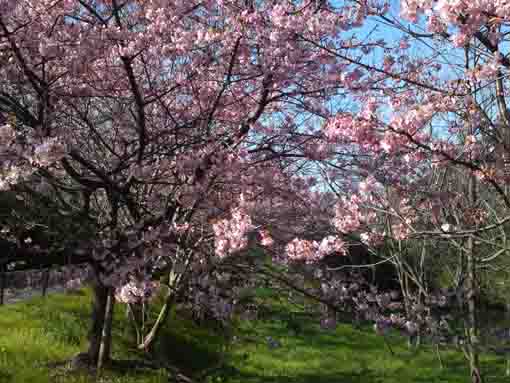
x,y
19,295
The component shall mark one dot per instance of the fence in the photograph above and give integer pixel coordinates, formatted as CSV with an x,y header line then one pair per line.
x,y
37,274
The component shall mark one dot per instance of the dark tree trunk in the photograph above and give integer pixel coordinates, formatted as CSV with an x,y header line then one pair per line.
x,y
98,316
45,281
90,357
2,284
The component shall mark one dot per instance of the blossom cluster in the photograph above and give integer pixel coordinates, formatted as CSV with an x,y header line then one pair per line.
x,y
467,16
136,292
313,251
230,234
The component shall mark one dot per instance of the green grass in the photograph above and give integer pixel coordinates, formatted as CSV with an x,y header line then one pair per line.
x,y
44,330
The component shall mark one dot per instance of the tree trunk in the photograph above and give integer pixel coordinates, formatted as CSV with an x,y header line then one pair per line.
x,y
460,285
471,286
2,285
151,337
404,288
45,281
134,316
90,357
472,328
106,336
98,316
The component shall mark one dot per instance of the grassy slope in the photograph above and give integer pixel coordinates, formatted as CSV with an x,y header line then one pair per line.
x,y
44,330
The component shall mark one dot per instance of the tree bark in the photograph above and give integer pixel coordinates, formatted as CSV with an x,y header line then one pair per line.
x,y
151,337
2,284
90,357
471,286
106,334
474,362
98,316
134,315
45,281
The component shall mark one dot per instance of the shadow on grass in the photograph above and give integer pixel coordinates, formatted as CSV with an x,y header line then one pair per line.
x,y
361,374
361,377
5,377
191,348
307,354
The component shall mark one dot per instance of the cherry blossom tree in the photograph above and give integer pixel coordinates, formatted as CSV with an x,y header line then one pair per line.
x,y
440,108
168,121
180,128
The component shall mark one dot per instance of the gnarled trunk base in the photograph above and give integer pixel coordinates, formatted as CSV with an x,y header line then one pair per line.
x,y
89,358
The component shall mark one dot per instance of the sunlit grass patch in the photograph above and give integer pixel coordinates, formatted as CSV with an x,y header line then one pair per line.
x,y
45,330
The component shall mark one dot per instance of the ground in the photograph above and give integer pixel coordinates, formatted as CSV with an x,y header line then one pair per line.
x,y
37,333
